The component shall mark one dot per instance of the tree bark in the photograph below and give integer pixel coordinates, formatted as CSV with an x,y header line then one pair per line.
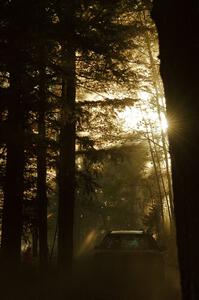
x,y
42,174
66,172
14,177
177,26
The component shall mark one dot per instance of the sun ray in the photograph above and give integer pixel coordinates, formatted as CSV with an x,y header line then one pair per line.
x,y
135,118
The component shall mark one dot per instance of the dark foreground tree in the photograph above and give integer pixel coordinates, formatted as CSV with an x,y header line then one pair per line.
x,y
13,64
24,55
66,176
178,26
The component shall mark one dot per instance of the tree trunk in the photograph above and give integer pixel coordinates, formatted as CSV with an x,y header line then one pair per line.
x,y
66,173
41,175
35,240
156,85
14,177
177,26
67,170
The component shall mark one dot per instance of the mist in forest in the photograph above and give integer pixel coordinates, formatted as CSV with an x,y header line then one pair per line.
x,y
86,199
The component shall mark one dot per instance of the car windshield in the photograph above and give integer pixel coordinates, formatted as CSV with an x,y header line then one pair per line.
x,y
129,241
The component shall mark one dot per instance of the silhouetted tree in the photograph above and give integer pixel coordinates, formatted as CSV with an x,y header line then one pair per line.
x,y
177,26
12,62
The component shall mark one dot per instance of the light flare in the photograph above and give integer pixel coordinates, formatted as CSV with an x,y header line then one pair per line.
x,y
135,118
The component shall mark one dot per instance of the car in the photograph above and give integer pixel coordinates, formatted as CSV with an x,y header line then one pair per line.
x,y
130,260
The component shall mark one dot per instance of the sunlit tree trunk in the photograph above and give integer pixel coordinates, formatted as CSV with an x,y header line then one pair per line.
x,y
158,94
160,177
160,224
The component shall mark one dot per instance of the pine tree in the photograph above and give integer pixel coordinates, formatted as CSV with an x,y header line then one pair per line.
x,y
13,64
80,48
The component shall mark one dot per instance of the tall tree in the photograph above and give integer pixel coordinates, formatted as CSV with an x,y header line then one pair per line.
x,y
66,169
24,66
92,40
12,45
177,26
42,165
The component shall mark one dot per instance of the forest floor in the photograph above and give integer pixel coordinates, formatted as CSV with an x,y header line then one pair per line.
x,y
29,284
87,288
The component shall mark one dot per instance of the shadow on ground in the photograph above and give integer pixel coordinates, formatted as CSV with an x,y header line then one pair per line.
x,y
87,283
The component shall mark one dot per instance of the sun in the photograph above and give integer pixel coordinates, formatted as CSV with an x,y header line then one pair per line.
x,y
164,125
136,119
130,118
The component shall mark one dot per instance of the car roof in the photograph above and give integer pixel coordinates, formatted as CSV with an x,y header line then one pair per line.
x,y
139,232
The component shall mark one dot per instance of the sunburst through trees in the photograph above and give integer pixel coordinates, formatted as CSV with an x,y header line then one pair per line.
x,y
83,128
